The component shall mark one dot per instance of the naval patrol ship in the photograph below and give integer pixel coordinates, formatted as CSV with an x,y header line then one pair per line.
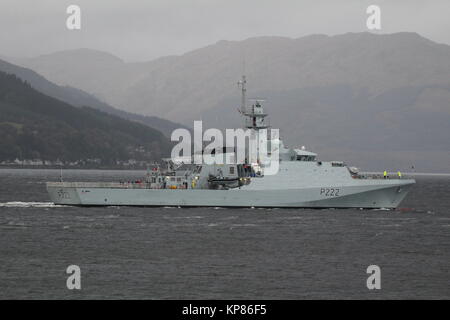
x,y
302,181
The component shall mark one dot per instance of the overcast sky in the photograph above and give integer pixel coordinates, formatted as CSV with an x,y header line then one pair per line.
x,y
138,30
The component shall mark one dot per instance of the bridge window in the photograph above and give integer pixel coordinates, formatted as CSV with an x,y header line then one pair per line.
x,y
306,158
337,164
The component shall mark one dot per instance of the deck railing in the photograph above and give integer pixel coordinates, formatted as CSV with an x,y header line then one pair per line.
x,y
112,185
390,176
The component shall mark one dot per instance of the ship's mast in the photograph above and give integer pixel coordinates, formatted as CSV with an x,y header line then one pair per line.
x,y
254,116
254,119
242,83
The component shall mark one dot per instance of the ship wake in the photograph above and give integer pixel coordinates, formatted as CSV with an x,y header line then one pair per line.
x,y
21,204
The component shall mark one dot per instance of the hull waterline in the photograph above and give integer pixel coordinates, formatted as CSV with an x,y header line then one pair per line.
x,y
386,195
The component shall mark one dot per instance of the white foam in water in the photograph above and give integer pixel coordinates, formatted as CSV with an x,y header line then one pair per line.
x,y
20,204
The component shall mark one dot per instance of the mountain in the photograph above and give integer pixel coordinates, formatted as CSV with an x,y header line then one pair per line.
x,y
376,101
79,98
36,126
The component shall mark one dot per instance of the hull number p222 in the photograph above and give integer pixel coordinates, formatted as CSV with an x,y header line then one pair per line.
x,y
330,192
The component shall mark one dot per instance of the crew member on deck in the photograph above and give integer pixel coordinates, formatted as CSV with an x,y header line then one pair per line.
x,y
399,174
385,174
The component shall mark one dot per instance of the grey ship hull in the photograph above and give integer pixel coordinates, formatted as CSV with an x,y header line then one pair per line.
x,y
359,194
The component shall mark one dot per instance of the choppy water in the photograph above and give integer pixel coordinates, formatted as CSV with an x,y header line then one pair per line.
x,y
217,253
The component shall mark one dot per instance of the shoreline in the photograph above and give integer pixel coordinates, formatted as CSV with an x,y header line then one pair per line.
x,y
144,169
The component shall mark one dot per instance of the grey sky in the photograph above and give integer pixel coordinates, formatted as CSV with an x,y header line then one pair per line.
x,y
143,30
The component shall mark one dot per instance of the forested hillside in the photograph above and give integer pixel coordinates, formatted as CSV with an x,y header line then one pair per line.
x,y
36,126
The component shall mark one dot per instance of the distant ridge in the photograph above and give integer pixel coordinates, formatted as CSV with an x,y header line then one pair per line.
x,y
376,101
79,98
